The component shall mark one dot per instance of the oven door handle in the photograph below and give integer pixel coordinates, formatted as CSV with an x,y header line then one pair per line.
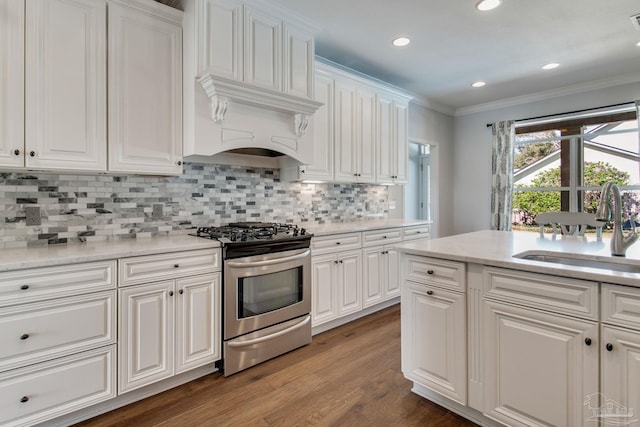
x,y
250,264
270,336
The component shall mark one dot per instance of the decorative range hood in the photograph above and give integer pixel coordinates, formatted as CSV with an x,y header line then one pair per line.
x,y
253,86
221,91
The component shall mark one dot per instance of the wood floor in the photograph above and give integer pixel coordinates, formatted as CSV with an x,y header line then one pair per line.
x,y
348,376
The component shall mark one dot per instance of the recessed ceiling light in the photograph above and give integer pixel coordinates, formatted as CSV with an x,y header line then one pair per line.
x,y
478,84
638,44
484,5
550,66
401,41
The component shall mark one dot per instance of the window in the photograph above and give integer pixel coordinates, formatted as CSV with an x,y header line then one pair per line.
x,y
561,165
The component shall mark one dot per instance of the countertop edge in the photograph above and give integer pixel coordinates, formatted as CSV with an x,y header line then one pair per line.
x,y
504,260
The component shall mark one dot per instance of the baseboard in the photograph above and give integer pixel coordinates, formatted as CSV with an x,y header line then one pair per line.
x,y
464,411
315,330
130,397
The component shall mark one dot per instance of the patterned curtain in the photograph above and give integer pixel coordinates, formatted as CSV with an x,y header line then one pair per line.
x,y
638,118
502,175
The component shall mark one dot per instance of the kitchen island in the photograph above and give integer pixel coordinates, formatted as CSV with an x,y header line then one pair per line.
x,y
504,340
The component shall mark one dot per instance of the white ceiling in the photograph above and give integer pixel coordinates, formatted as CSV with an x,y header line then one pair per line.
x,y
453,44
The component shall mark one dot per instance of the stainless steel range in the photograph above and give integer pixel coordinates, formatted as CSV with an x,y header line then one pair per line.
x,y
266,292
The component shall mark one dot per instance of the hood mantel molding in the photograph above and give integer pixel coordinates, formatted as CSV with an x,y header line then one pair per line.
x,y
221,91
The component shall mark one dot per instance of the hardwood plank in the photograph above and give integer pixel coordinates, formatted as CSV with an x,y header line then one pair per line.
x,y
348,376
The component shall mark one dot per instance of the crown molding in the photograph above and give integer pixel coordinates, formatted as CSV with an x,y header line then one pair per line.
x,y
435,106
549,94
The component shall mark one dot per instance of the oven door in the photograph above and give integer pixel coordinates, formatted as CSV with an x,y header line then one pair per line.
x,y
264,290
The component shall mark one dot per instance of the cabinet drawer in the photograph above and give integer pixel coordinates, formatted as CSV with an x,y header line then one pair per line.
x,y
381,237
437,272
22,286
36,332
621,305
336,242
148,268
415,232
558,294
43,391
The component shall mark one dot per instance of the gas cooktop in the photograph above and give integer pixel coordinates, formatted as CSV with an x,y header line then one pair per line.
x,y
247,232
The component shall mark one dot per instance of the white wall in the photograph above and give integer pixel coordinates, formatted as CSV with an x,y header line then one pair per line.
x,y
471,176
427,126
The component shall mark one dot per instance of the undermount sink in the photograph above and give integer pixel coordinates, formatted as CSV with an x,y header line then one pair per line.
x,y
579,260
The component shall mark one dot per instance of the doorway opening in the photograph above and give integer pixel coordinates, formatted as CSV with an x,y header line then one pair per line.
x,y
417,195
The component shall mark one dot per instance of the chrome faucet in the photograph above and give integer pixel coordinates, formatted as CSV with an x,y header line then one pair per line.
x,y
610,200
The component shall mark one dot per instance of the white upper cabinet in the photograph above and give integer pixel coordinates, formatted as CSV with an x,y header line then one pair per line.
x,y
145,89
299,60
65,121
392,144
11,83
54,86
263,49
370,126
220,47
251,43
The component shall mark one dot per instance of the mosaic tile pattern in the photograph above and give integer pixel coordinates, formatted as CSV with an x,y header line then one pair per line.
x,y
81,208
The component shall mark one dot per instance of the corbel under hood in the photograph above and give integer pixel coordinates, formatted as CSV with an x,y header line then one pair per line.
x,y
243,119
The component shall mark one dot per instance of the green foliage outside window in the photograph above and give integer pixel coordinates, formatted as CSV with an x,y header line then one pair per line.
x,y
531,203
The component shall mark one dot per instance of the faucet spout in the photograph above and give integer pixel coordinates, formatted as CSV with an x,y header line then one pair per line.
x,y
610,207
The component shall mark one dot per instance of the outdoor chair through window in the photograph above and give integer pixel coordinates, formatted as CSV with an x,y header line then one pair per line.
x,y
569,223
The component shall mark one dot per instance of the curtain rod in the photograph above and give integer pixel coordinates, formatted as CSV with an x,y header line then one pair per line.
x,y
570,112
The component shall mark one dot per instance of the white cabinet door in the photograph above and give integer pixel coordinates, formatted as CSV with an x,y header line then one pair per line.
x,y
262,49
434,340
146,335
620,399
299,58
366,135
349,282
373,275
198,320
322,167
65,92
324,300
401,127
346,160
386,143
219,38
392,146
381,274
11,83
145,91
392,263
539,369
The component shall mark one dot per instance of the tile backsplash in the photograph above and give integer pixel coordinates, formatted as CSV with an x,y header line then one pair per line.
x,y
44,208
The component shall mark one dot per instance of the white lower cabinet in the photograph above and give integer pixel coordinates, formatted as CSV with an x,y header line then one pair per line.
x,y
337,285
167,327
381,274
539,367
357,272
620,353
434,339
57,329
40,392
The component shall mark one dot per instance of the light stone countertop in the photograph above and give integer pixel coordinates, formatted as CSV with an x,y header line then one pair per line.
x,y
22,258
362,225
496,248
